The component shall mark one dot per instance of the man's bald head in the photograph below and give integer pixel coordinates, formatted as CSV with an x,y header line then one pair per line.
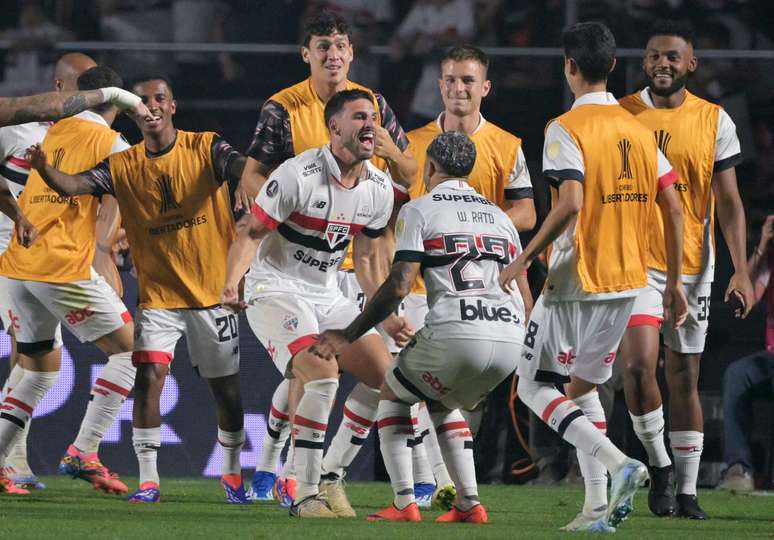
x,y
68,68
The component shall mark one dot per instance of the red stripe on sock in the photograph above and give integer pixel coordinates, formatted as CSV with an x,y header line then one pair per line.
x,y
305,422
549,410
23,406
112,386
602,426
686,448
443,428
277,414
355,418
395,421
126,317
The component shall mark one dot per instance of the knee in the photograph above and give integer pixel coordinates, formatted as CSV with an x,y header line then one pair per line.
x,y
310,367
638,371
374,380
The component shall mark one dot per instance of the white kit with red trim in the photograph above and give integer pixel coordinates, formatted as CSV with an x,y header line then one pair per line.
x,y
313,218
462,241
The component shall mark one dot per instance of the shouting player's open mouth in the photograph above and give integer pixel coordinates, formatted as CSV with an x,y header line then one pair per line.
x,y
366,139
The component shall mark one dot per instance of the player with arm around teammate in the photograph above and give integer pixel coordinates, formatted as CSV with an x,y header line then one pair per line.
x,y
473,331
171,188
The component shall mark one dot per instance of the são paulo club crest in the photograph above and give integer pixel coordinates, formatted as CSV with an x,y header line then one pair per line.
x,y
290,323
336,233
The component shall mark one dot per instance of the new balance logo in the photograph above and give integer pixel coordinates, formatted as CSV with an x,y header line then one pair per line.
x,y
319,204
480,312
663,139
168,201
624,147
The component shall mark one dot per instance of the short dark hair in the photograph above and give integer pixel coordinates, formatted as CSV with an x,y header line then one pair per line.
x,y
673,27
339,99
146,78
99,77
461,53
454,153
592,46
325,23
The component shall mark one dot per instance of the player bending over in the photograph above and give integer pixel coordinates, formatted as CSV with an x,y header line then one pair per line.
x,y
472,335
170,188
303,221
607,177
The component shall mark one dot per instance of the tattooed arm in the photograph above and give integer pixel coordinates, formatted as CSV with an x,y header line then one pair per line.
x,y
55,105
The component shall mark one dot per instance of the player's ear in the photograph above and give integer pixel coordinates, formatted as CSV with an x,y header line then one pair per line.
x,y
487,87
305,54
693,63
612,67
173,107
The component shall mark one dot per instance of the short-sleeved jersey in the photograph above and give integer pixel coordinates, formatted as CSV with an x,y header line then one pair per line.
x,y
313,219
462,241
603,254
500,173
699,139
293,121
14,141
176,210
65,248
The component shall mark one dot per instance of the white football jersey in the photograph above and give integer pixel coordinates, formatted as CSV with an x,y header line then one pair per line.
x,y
462,241
313,219
14,141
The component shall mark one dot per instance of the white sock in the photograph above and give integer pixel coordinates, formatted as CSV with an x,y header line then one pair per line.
x,y
649,429
16,409
289,470
277,429
17,456
433,451
396,434
232,443
594,473
309,425
423,473
359,415
146,442
108,394
563,416
686,448
456,443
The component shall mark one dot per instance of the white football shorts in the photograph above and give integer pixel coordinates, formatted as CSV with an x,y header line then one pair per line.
x,y
649,310
212,336
457,372
89,308
573,337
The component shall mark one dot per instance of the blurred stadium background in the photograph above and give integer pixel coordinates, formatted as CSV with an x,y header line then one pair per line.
x,y
226,57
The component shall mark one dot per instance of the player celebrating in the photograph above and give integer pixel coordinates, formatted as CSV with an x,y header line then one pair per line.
x,y
303,220
454,234
179,226
53,282
292,121
14,141
606,172
699,139
500,173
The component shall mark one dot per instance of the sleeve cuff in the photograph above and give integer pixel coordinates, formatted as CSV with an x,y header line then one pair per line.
x,y
667,180
401,196
405,255
556,176
516,194
373,233
268,221
723,164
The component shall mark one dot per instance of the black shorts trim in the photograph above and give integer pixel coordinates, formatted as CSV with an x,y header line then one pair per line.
x,y
35,347
408,385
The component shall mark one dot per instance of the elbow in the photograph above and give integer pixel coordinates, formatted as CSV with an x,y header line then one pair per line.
x,y
402,290
573,207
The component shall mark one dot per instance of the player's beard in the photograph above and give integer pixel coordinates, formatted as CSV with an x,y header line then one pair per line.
x,y
677,84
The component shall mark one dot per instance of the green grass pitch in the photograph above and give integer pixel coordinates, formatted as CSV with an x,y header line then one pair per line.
x,y
195,509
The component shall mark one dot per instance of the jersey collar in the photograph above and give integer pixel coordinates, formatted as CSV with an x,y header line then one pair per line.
x,y
595,98
91,116
453,183
481,122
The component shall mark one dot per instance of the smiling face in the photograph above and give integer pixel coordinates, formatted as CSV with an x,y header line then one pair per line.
x,y
157,96
463,85
329,58
353,127
667,63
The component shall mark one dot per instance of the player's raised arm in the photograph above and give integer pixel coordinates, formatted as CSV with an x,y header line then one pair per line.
x,y
62,183
56,105
391,144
